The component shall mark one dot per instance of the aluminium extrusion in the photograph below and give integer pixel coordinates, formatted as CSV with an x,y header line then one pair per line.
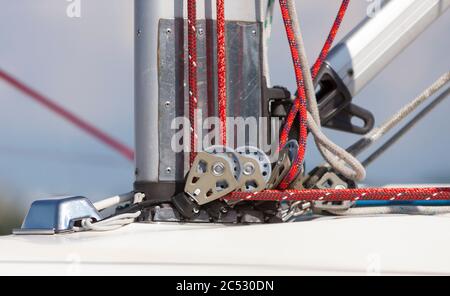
x,y
376,41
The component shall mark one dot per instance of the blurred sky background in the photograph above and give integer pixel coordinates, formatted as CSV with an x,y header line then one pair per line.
x,y
86,65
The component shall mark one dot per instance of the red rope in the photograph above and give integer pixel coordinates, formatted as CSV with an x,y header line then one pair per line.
x,y
299,106
332,35
72,118
388,194
222,71
193,93
301,97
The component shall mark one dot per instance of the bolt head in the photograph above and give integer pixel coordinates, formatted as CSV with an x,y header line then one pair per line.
x,y
218,169
249,169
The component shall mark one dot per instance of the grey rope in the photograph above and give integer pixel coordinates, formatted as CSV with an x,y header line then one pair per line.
x,y
351,169
336,156
369,139
410,125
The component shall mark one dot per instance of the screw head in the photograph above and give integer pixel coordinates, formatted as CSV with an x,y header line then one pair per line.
x,y
168,170
340,187
350,72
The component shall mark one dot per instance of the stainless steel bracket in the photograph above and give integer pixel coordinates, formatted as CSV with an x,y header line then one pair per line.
x,y
244,83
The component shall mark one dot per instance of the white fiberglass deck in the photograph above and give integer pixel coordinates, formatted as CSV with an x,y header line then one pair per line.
x,y
364,245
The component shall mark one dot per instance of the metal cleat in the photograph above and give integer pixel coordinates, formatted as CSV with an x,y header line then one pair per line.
x,y
55,216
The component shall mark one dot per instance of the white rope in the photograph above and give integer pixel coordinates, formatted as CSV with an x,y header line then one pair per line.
x,y
112,223
113,201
